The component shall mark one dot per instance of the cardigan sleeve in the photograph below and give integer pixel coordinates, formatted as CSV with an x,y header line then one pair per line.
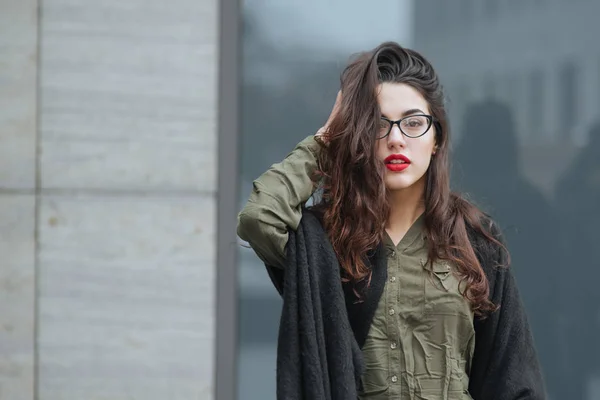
x,y
505,363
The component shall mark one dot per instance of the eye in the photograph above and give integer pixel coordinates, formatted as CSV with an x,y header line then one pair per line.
x,y
414,122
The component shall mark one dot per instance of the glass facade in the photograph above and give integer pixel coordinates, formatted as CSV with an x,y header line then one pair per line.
x,y
537,173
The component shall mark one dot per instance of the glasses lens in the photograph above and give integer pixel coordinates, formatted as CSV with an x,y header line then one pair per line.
x,y
384,127
415,126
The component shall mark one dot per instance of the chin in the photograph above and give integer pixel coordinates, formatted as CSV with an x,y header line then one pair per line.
x,y
398,183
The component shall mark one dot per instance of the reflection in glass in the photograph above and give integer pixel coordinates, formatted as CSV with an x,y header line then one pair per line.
x,y
536,105
568,108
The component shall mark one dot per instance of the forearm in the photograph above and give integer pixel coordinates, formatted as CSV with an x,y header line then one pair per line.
x,y
275,203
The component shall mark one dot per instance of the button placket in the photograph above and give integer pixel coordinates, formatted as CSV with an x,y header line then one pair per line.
x,y
393,310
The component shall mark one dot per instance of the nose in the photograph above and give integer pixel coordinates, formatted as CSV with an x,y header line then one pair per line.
x,y
396,140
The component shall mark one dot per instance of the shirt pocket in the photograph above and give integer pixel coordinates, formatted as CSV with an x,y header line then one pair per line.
x,y
443,290
444,276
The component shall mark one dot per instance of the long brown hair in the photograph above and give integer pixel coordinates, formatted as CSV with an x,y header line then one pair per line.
x,y
354,203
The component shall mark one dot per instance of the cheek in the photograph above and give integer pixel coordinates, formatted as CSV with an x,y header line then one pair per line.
x,y
423,152
381,150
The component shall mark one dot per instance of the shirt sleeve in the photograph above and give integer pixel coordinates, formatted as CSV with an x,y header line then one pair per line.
x,y
505,364
275,203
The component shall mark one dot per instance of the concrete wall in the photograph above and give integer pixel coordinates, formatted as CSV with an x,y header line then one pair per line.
x,y
108,153
18,130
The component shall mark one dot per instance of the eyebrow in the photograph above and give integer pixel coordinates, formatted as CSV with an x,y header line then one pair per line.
x,y
408,112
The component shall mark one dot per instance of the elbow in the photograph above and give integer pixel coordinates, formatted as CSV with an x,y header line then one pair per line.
x,y
264,237
248,223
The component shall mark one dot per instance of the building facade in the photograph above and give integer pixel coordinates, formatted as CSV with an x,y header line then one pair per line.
x,y
540,56
108,199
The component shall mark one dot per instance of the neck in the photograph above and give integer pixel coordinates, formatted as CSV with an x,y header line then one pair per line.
x,y
406,207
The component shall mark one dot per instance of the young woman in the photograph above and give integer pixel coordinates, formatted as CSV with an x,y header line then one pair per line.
x,y
449,323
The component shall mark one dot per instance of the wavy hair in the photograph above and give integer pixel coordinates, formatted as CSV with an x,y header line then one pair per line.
x,y
354,202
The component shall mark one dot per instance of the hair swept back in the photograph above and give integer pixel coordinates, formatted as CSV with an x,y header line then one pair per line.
x,y
354,204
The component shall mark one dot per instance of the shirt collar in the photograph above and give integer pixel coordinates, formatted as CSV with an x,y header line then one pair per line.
x,y
415,236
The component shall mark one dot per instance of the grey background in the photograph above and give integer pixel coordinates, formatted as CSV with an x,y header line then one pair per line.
x,y
537,171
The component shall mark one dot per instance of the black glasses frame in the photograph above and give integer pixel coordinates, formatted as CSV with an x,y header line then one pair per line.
x,y
430,120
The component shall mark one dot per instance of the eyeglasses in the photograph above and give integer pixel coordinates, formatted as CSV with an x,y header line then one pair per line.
x,y
413,126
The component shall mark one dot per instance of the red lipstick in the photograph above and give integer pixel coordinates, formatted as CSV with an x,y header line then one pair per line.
x,y
397,162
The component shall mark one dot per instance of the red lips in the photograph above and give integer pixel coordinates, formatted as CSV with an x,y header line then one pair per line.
x,y
397,166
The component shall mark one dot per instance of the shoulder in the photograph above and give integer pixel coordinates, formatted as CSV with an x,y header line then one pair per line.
x,y
493,256
488,226
311,228
487,238
312,216
483,232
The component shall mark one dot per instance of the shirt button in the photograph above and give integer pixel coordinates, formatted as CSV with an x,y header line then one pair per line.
x,y
393,279
393,345
394,379
393,254
392,311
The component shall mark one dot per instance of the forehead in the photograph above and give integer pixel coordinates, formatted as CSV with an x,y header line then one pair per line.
x,y
396,98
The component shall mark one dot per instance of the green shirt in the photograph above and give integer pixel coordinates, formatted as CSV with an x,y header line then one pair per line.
x,y
421,341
